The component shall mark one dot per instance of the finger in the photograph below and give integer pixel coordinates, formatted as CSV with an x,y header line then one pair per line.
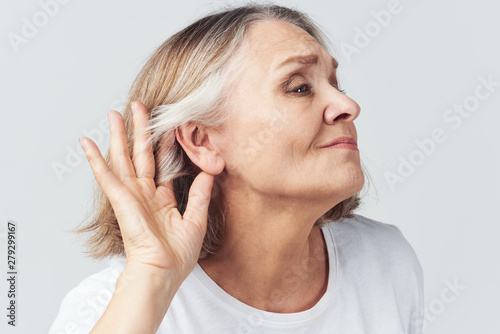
x,y
108,181
142,157
167,195
169,206
198,200
121,164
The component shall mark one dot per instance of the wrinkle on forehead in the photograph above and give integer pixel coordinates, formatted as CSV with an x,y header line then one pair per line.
x,y
283,38
267,44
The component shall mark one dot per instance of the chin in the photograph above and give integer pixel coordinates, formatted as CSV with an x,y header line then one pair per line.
x,y
357,181
348,183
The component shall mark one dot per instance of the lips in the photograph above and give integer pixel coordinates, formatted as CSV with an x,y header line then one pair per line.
x,y
341,140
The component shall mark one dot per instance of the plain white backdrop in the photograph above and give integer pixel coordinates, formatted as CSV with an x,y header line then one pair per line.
x,y
426,75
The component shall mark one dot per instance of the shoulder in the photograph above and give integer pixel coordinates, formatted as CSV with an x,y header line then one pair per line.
x,y
375,259
374,241
378,256
361,223
367,229
84,304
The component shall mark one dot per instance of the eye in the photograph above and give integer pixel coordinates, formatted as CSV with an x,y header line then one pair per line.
x,y
342,91
302,88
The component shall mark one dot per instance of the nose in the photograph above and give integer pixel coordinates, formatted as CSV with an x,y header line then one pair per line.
x,y
340,108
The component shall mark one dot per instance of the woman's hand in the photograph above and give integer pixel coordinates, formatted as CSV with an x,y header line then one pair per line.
x,y
156,237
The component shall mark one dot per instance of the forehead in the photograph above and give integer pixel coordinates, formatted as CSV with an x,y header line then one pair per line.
x,y
270,42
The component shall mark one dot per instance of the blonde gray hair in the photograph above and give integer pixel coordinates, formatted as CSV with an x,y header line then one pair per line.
x,y
177,85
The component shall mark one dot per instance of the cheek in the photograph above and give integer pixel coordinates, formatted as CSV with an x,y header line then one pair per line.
x,y
282,143
270,134
243,142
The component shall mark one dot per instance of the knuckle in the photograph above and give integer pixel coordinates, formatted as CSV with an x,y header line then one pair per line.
x,y
101,173
194,215
124,153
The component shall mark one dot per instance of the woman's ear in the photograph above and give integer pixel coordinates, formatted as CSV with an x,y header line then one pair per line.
x,y
200,146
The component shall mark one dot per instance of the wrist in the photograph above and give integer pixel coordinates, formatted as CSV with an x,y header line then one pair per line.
x,y
139,275
140,301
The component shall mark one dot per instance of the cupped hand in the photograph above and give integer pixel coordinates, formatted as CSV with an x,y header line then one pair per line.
x,y
155,235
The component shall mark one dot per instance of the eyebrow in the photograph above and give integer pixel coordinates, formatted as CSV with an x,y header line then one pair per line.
x,y
310,59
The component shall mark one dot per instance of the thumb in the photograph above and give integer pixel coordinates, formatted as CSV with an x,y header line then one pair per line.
x,y
198,200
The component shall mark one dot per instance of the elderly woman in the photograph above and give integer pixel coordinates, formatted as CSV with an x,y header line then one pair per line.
x,y
227,195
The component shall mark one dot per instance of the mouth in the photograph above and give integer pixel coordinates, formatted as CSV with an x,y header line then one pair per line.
x,y
343,142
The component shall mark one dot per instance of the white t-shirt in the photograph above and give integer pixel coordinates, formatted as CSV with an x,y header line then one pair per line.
x,y
375,285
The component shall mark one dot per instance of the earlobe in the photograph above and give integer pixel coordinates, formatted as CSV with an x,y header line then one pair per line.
x,y
200,147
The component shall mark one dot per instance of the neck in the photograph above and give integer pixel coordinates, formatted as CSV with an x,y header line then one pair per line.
x,y
272,258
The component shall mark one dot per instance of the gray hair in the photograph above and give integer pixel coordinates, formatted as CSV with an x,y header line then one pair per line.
x,y
177,85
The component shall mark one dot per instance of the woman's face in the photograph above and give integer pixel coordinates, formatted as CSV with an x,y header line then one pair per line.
x,y
283,112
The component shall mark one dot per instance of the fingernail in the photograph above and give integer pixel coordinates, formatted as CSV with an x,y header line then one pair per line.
x,y
133,106
82,143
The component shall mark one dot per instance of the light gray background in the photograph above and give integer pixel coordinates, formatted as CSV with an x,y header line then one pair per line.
x,y
59,85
